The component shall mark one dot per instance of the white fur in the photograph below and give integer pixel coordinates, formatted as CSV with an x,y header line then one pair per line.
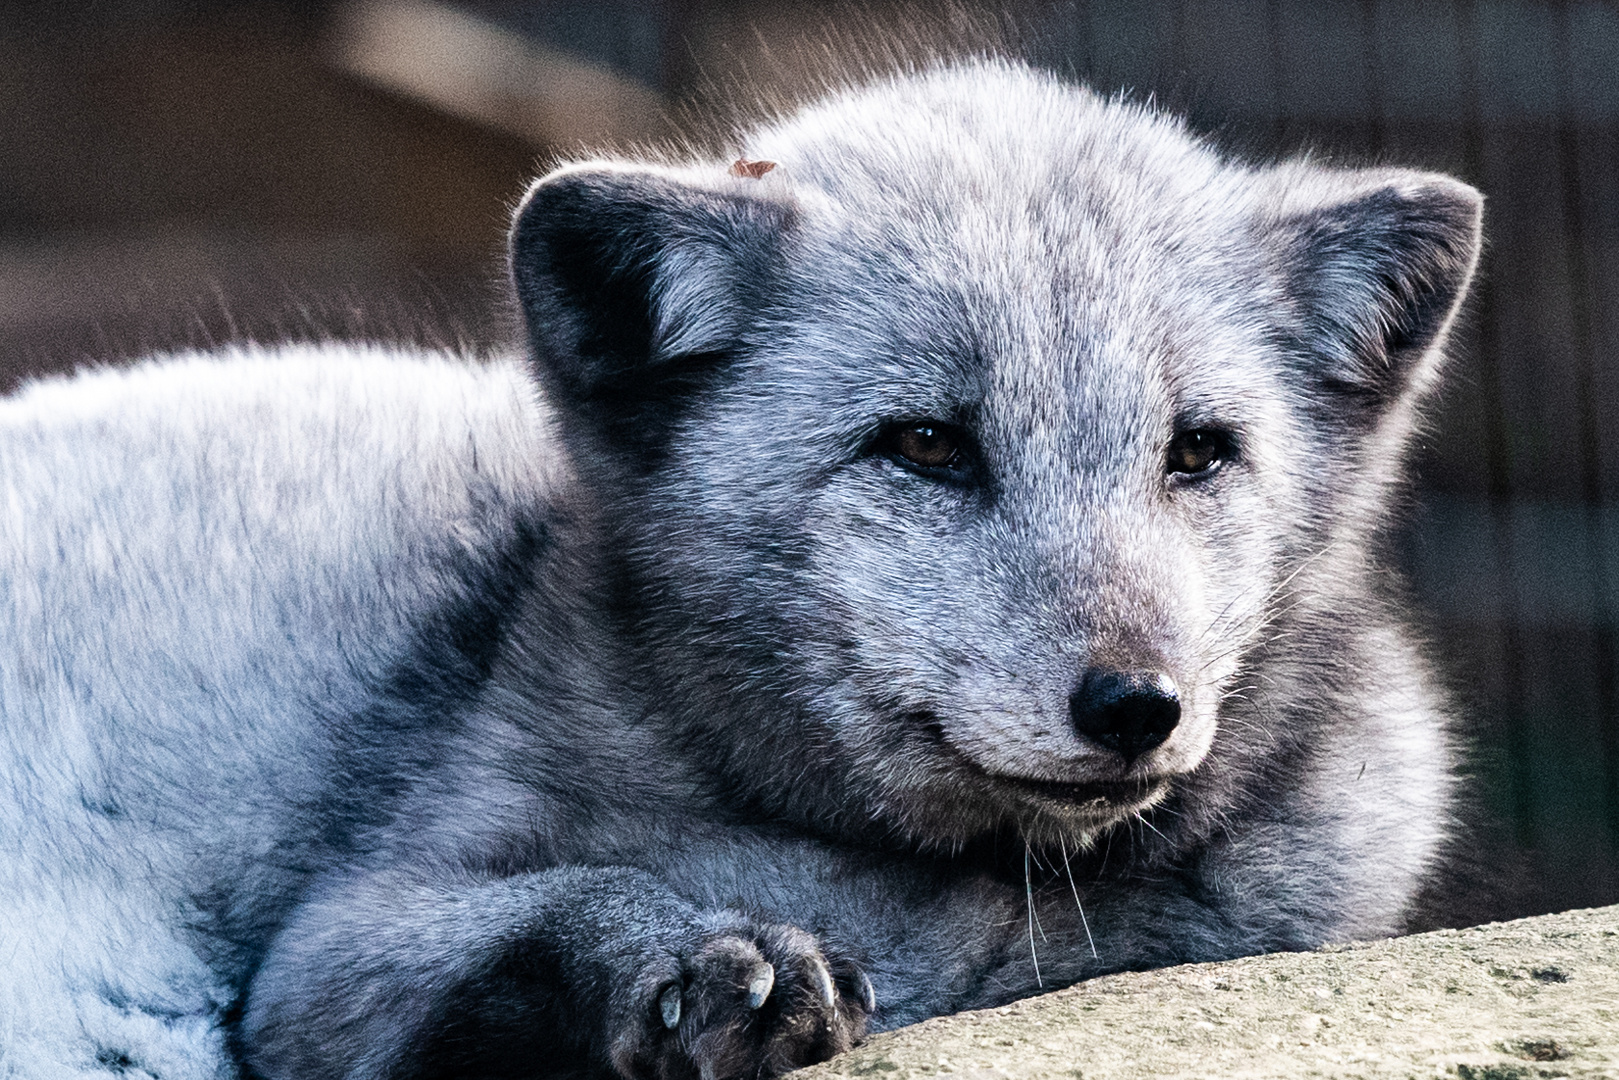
x,y
204,541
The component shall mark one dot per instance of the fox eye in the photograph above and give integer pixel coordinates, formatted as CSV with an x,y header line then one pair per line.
x,y
1198,452
927,445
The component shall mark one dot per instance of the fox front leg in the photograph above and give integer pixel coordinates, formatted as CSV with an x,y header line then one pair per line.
x,y
571,971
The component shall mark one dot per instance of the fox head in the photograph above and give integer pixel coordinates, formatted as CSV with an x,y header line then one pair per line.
x,y
965,464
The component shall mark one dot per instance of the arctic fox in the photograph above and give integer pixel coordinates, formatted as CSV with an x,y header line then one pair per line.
x,y
929,561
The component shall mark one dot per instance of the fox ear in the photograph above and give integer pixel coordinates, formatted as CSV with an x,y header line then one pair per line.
x,y
1376,269
636,285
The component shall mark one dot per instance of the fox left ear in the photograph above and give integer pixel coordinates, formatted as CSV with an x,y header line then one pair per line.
x,y
637,283
1376,268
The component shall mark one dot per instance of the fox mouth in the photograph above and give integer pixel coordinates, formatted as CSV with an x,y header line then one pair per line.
x,y
1110,797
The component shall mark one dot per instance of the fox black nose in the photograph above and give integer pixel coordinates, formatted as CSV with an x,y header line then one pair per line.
x,y
1127,712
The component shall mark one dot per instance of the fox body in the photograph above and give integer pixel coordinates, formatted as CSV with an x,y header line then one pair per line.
x,y
966,525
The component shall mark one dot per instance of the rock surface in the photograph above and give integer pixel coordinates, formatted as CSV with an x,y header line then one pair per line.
x,y
1509,1001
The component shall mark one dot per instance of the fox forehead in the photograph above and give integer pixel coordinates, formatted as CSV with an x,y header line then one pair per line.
x,y
1039,309
986,134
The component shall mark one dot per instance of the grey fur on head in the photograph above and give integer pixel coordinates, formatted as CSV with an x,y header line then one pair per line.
x,y
967,526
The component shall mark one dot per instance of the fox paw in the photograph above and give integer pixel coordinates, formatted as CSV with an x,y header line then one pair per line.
x,y
751,1000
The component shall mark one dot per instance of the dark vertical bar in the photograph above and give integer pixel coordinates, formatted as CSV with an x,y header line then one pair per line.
x,y
1179,48
1377,120
1498,452
1085,19
1278,66
675,64
1575,228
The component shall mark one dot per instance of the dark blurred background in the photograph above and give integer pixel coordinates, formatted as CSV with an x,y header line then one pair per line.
x,y
187,172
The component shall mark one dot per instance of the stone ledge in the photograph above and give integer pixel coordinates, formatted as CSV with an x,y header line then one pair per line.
x,y
1536,998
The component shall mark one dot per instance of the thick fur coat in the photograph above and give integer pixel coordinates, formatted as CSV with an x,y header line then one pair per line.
x,y
940,567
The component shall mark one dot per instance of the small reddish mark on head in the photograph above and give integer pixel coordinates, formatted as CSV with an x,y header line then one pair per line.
x,y
753,170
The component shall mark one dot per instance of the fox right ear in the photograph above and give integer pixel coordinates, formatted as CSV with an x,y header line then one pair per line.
x,y
1377,264
635,283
